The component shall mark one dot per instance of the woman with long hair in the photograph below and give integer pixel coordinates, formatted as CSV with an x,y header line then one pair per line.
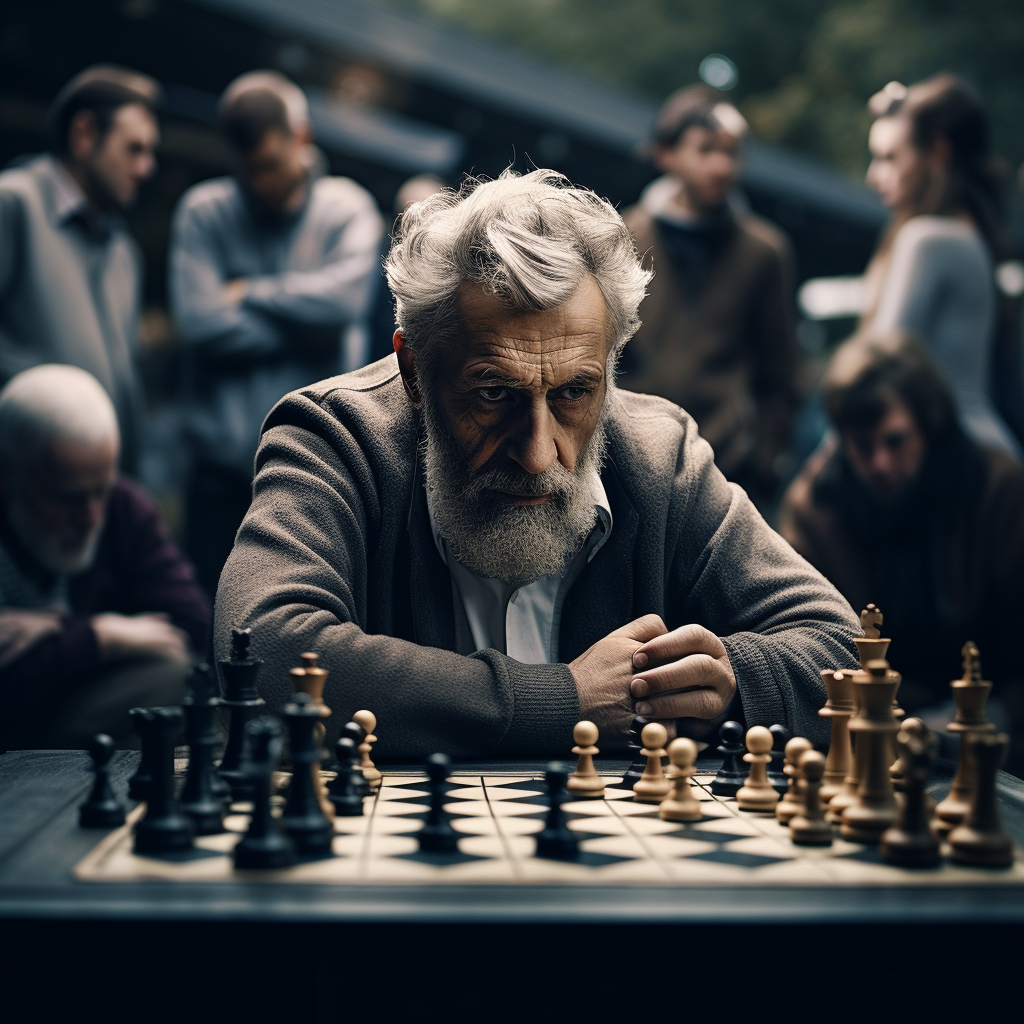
x,y
934,272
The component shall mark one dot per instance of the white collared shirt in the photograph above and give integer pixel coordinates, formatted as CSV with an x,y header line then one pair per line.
x,y
522,623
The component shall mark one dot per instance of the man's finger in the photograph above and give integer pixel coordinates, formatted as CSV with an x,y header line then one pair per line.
x,y
684,674
689,639
647,627
704,703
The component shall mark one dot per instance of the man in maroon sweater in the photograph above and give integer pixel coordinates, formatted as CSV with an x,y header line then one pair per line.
x,y
99,612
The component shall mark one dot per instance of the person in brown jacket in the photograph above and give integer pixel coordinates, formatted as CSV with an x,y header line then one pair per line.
x,y
901,508
717,334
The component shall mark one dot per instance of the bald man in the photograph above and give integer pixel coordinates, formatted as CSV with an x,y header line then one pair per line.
x,y
99,612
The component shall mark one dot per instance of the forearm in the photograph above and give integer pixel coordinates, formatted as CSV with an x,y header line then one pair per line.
x,y
330,298
426,699
778,676
58,662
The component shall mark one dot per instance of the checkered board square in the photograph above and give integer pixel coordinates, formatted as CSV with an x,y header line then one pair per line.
x,y
622,842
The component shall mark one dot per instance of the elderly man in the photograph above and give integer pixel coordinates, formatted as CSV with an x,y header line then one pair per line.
x,y
98,611
271,278
486,542
718,334
70,274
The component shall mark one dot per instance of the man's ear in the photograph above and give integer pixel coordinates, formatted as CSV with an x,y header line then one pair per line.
x,y
82,135
407,368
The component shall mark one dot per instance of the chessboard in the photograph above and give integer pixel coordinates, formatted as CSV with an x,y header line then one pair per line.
x,y
622,843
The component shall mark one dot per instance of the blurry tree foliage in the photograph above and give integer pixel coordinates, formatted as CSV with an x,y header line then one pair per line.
x,y
806,67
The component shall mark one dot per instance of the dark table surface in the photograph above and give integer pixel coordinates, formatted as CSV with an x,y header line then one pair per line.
x,y
40,842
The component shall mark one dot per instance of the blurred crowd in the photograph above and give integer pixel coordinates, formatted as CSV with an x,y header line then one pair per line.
x,y
914,499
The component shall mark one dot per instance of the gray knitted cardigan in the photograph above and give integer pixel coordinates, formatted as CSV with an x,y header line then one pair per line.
x,y
336,556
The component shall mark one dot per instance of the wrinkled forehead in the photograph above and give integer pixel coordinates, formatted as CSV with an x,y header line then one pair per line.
x,y
575,335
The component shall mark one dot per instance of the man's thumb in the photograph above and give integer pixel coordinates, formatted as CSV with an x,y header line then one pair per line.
x,y
647,627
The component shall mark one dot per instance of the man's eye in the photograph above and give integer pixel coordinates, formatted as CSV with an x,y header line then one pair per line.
x,y
492,394
573,394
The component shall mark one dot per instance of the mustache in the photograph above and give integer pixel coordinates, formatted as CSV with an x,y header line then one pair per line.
x,y
556,481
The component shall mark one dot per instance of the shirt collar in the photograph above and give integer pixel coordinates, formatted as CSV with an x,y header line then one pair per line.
x,y
598,536
68,198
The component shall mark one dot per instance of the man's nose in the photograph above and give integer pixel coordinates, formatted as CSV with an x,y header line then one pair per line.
x,y
91,513
533,447
881,459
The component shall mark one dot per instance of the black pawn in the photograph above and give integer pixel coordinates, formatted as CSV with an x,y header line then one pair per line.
x,y
163,829
138,784
732,747
101,810
200,798
263,846
776,776
637,761
437,834
240,698
347,788
557,841
356,733
303,819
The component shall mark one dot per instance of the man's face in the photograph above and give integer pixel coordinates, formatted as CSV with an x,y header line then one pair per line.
x,y
707,162
59,504
274,171
898,169
116,164
888,457
512,409
523,390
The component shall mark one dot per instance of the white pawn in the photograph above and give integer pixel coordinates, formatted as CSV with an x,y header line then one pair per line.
x,y
367,720
585,782
652,787
757,793
682,803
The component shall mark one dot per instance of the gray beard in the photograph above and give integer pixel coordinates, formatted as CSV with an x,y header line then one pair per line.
x,y
493,538
63,554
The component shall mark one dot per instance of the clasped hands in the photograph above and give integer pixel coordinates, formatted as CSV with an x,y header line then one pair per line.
x,y
642,668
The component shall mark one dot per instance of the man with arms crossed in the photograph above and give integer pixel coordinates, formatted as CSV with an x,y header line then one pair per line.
x,y
485,541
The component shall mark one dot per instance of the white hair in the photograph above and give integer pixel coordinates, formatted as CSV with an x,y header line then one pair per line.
x,y
529,240
53,401
296,105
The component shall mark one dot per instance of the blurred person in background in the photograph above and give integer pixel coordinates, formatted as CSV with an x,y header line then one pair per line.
x,y
70,275
271,279
718,329
934,272
900,507
99,612
382,318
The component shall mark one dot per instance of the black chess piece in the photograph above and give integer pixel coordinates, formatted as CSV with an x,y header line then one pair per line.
x,y
200,798
732,747
356,733
347,789
637,761
557,841
163,828
264,845
910,841
776,776
138,784
437,834
303,820
240,698
102,809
